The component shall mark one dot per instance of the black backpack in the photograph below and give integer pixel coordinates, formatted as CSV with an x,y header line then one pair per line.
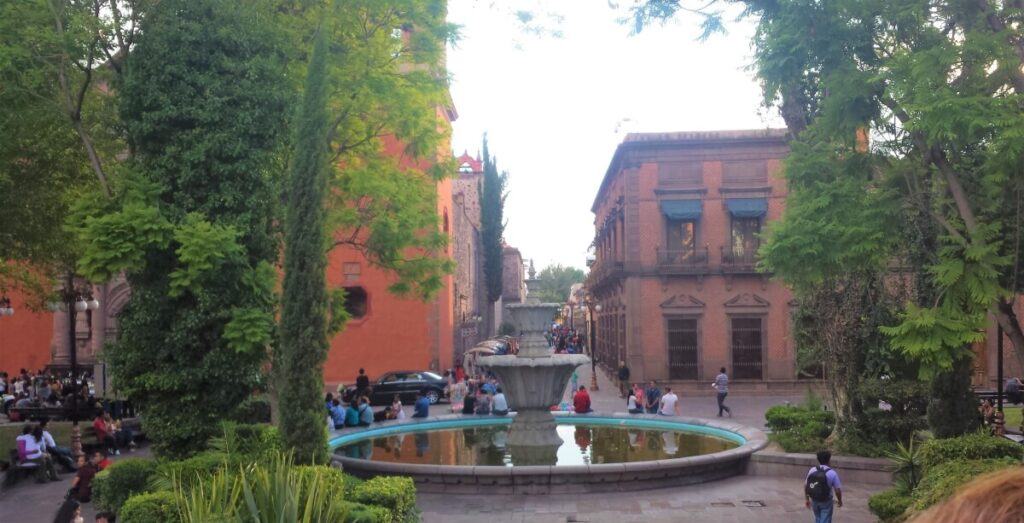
x,y
817,485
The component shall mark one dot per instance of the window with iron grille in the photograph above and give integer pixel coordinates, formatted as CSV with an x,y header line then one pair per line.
x,y
683,348
747,348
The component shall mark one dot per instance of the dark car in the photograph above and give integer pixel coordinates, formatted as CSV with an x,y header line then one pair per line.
x,y
406,384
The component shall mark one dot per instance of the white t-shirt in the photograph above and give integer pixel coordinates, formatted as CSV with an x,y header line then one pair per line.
x,y
33,449
48,442
668,404
631,403
499,402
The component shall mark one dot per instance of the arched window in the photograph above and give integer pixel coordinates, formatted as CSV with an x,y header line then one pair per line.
x,y
357,302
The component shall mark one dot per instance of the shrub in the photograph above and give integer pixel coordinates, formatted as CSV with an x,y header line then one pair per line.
x,y
247,442
889,505
793,442
189,471
120,481
397,494
970,447
360,513
943,479
800,428
255,409
152,507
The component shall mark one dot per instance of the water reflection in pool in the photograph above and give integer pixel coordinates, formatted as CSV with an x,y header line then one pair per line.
x,y
581,444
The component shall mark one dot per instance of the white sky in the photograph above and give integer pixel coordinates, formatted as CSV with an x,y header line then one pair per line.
x,y
555,108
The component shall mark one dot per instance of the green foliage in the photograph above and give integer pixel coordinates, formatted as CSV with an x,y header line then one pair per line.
x,y
270,491
800,428
554,282
492,224
254,409
248,441
889,505
953,409
397,494
909,463
303,340
120,481
360,513
193,470
193,224
943,479
152,507
976,446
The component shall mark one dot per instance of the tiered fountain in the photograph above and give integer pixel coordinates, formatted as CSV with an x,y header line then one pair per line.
x,y
533,380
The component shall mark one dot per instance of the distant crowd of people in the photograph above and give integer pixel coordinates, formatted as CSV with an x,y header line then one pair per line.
x,y
44,389
565,340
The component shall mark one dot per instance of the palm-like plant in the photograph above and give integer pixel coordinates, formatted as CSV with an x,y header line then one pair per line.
x,y
272,492
907,459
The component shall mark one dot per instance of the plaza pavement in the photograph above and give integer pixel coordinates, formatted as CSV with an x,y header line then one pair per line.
x,y
736,499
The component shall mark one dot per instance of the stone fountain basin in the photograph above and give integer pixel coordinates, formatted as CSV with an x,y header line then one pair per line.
x,y
532,479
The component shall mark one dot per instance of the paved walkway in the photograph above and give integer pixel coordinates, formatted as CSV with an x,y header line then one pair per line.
x,y
743,499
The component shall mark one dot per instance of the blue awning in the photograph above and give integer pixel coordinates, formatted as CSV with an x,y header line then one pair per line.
x,y
747,207
681,209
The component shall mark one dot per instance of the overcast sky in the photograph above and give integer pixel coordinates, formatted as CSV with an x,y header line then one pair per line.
x,y
556,105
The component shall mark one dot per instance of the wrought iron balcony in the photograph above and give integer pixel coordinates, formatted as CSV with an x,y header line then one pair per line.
x,y
603,272
683,261
739,262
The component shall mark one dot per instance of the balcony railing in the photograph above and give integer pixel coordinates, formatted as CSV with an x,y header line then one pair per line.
x,y
683,261
739,262
604,271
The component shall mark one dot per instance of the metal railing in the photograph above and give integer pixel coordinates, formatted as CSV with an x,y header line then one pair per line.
x,y
683,260
739,262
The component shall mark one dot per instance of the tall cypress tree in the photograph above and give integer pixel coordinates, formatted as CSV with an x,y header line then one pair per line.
x,y
303,331
492,210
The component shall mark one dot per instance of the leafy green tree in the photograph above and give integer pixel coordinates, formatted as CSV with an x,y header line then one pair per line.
x,y
303,344
936,86
554,282
192,222
492,229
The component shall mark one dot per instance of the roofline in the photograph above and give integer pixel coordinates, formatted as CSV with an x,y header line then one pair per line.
x,y
639,141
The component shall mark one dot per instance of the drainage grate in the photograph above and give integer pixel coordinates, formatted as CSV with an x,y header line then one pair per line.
x,y
722,504
753,503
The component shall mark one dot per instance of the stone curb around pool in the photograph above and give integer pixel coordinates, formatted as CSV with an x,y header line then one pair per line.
x,y
533,479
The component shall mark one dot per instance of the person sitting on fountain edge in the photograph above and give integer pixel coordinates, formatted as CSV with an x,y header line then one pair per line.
x,y
500,404
581,401
422,407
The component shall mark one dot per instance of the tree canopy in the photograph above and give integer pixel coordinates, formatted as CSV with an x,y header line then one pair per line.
x,y
554,282
906,119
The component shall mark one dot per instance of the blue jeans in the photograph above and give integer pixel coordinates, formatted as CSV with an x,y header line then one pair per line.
x,y
822,511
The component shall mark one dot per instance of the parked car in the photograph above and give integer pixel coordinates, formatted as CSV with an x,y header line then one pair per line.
x,y
406,384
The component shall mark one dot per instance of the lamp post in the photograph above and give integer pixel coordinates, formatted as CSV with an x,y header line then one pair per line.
x,y
75,302
592,307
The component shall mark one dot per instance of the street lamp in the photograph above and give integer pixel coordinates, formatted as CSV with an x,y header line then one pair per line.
x,y
5,307
74,302
594,307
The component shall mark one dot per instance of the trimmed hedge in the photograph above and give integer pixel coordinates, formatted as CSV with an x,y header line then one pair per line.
x,y
255,409
799,428
396,494
890,505
120,481
255,442
152,507
975,446
943,479
360,513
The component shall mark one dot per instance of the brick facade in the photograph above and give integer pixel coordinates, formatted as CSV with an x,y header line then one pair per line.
x,y
469,290
676,218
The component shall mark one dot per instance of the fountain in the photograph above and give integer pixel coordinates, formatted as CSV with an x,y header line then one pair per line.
x,y
524,453
533,380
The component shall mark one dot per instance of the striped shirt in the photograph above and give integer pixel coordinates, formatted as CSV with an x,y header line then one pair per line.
x,y
722,382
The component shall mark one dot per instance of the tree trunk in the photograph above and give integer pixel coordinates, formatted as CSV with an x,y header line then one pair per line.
x,y
1007,319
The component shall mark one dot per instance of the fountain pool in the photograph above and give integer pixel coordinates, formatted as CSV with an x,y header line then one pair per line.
x,y
470,454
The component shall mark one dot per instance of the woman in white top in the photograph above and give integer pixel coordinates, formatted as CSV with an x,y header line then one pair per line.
x,y
396,408
631,405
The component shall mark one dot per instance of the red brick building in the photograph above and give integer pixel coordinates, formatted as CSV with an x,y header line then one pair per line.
x,y
677,220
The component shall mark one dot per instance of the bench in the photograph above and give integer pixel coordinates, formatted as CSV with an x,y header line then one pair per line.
x,y
17,469
52,413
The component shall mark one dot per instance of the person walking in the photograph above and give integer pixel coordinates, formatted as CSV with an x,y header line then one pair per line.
x,y
362,384
820,483
623,378
721,384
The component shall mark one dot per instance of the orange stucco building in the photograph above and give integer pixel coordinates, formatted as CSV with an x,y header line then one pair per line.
x,y
388,332
24,337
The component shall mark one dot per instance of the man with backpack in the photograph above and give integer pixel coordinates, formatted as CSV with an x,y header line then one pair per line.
x,y
818,486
